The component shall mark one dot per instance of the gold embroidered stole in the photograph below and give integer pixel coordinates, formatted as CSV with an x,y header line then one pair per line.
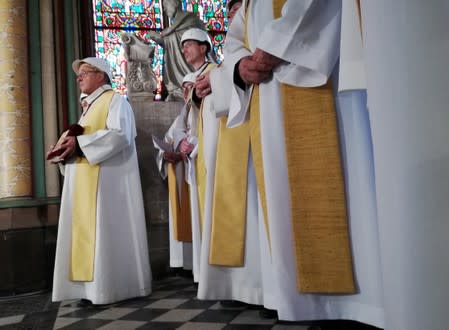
x,y
84,208
317,193
200,164
180,204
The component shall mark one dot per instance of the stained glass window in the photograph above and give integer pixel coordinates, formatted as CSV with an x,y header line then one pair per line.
x,y
214,16
114,17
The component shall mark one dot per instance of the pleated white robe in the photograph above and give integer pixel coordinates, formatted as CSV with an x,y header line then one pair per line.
x,y
121,264
306,37
407,47
222,282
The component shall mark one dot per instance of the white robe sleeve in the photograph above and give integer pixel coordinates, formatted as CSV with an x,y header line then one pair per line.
x,y
234,51
306,37
175,134
120,133
221,93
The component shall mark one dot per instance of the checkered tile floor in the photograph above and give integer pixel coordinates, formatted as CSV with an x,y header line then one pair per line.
x,y
172,305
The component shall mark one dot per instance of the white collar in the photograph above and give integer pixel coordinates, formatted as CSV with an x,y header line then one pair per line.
x,y
89,99
95,94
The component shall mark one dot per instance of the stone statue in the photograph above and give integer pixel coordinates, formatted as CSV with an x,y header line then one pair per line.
x,y
140,77
170,38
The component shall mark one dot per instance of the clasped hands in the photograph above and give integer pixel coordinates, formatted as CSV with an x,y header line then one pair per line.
x,y
253,69
185,148
258,67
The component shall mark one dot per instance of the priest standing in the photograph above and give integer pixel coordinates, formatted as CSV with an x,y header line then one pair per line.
x,y
101,252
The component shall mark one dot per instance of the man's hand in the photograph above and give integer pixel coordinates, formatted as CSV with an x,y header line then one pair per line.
x,y
202,85
185,147
253,72
261,56
49,151
69,144
173,157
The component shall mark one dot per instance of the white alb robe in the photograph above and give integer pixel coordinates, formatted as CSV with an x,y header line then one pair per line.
x,y
121,265
222,282
406,55
306,37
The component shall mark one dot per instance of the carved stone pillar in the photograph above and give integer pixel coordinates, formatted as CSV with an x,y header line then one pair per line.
x,y
15,131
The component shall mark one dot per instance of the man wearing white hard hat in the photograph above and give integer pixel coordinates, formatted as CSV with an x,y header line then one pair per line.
x,y
196,47
170,162
176,67
177,160
101,253
187,84
202,38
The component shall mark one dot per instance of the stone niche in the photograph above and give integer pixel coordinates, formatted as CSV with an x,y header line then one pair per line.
x,y
154,118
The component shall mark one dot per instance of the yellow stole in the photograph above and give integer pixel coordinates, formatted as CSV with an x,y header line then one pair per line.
x,y
229,199
230,188
317,193
180,205
231,182
200,164
84,208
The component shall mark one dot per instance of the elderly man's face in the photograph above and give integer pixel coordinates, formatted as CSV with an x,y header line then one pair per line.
x,y
89,79
170,7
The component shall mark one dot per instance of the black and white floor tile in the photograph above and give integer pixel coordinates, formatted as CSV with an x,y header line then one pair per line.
x,y
172,305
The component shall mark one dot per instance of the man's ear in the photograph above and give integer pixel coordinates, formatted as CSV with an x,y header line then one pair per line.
x,y
101,78
205,49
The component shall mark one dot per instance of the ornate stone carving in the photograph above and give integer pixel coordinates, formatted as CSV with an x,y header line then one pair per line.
x,y
140,78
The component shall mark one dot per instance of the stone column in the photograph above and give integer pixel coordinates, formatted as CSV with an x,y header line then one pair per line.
x,y
49,93
15,130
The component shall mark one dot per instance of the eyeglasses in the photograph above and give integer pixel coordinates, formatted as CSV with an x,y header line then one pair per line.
x,y
83,74
189,43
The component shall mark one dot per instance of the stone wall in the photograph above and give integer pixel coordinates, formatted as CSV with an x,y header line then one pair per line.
x,y
27,248
154,118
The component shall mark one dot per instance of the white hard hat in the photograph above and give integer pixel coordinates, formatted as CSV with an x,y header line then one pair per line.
x,y
190,77
198,35
96,62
